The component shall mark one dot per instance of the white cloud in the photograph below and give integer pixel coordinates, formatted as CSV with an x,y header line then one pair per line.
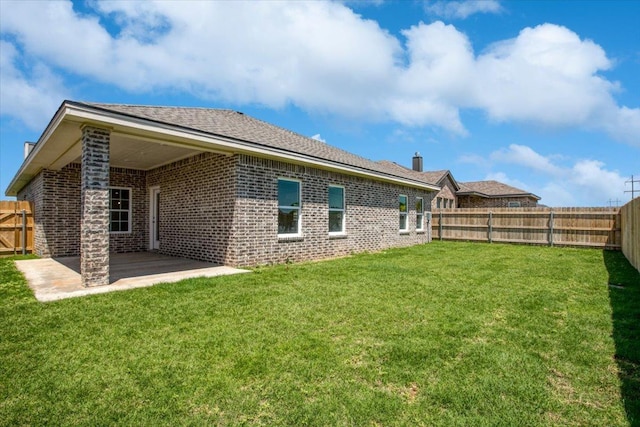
x,y
31,96
321,57
592,175
525,156
503,178
472,159
317,137
585,183
558,194
547,66
462,9
439,75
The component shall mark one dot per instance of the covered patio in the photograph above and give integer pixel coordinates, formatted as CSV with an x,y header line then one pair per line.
x,y
53,279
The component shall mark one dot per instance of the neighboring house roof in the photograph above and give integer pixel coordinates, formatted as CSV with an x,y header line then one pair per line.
x,y
394,168
492,189
434,177
179,129
439,178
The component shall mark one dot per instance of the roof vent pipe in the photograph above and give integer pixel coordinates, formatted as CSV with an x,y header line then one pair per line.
x,y
417,162
28,147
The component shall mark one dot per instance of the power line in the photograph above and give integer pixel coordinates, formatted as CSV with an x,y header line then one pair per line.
x,y
633,190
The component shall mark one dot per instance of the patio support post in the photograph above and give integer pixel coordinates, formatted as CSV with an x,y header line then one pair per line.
x,y
94,222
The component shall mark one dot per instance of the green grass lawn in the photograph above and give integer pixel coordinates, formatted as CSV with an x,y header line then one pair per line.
x,y
446,333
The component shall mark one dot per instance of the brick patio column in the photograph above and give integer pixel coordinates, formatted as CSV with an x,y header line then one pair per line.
x,y
94,220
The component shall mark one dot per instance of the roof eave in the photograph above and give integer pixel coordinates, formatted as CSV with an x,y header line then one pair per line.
x,y
88,114
20,180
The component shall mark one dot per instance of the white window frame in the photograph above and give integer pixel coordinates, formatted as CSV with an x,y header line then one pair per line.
x,y
514,204
128,231
343,210
403,214
420,214
298,232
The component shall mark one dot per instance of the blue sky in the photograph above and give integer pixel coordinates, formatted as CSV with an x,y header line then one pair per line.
x,y
542,95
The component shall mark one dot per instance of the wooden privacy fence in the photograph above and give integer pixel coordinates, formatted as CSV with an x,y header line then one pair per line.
x,y
630,220
590,227
16,227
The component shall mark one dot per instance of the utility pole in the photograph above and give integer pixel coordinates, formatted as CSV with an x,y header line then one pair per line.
x,y
633,189
616,201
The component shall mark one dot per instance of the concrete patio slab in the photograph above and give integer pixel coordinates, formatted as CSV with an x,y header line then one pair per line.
x,y
53,279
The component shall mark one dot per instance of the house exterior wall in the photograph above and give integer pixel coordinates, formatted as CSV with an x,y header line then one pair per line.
x,y
197,201
34,192
494,202
56,198
448,192
224,209
138,239
371,209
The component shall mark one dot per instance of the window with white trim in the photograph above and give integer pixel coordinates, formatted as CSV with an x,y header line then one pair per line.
x,y
119,210
336,209
514,204
419,213
403,210
288,207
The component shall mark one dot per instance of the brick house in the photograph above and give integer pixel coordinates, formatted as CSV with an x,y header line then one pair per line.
x,y
208,184
477,194
447,197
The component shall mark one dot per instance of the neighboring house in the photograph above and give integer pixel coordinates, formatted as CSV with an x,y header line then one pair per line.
x,y
446,197
494,194
208,184
478,194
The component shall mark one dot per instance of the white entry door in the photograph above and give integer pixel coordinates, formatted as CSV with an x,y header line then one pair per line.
x,y
154,218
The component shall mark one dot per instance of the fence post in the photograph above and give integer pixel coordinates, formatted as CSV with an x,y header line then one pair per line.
x,y
551,228
24,232
440,226
490,227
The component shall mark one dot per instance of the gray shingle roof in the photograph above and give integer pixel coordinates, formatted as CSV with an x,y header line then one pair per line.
x,y
239,126
433,177
395,168
492,189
